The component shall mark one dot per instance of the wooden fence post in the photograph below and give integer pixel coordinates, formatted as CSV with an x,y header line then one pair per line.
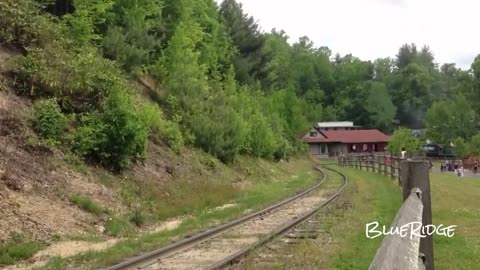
x,y
379,160
367,163
415,174
392,168
384,161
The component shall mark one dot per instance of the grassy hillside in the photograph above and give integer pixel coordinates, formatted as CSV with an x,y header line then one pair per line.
x,y
50,199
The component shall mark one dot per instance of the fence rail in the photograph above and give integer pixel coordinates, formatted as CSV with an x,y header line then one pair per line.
x,y
394,248
384,164
397,252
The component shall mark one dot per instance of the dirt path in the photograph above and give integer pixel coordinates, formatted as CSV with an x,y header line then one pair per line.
x,y
62,249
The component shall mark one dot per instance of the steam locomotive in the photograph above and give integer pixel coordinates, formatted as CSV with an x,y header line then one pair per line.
x,y
438,150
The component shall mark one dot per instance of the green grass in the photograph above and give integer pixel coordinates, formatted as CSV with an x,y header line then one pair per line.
x,y
372,198
17,250
267,183
455,201
377,198
86,204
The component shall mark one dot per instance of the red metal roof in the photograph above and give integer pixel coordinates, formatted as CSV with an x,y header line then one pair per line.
x,y
350,136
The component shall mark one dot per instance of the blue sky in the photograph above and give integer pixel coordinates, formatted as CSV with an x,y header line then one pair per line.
x,y
370,29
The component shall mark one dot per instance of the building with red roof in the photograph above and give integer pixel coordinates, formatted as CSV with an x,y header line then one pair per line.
x,y
331,139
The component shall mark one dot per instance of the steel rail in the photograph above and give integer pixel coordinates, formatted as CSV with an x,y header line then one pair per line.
x,y
287,227
190,241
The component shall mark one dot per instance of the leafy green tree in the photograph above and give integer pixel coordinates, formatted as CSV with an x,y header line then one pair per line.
x,y
82,24
438,121
475,85
406,55
246,37
474,145
380,107
278,66
383,68
462,148
447,121
133,34
402,138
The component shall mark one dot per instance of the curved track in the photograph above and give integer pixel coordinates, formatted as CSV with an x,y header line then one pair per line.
x,y
226,244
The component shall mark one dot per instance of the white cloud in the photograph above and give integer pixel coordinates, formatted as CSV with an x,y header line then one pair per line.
x,y
371,29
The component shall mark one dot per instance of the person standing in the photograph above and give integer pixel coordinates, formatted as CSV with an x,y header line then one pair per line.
x,y
403,154
475,168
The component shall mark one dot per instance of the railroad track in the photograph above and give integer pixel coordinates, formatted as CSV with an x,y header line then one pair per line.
x,y
224,245
315,231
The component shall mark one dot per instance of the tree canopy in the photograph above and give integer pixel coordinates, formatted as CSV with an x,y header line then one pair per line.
x,y
221,82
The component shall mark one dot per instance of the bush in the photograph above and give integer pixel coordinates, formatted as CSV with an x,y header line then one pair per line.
x,y
21,24
403,138
138,218
218,130
125,132
116,135
118,227
260,140
79,80
49,121
160,129
89,135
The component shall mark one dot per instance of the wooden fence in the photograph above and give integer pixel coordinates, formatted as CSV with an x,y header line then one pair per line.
x,y
397,252
384,164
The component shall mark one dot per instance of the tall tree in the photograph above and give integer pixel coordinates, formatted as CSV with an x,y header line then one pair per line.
x,y
133,36
245,35
406,55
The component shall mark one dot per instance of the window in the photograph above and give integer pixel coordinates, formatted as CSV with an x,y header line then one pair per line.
x,y
323,148
313,134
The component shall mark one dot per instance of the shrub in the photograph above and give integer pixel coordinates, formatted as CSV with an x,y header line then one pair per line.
x,y
138,218
160,129
124,131
403,138
79,80
86,204
218,128
21,24
89,135
260,140
49,121
118,227
116,135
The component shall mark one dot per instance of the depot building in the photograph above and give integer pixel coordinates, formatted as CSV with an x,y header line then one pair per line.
x,y
332,139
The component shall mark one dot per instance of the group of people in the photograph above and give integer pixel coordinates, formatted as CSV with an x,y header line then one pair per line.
x,y
457,167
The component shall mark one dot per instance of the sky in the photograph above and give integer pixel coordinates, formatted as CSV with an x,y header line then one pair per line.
x,y
370,29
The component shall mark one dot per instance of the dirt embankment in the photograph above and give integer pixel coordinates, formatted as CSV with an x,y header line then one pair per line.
x,y
35,184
